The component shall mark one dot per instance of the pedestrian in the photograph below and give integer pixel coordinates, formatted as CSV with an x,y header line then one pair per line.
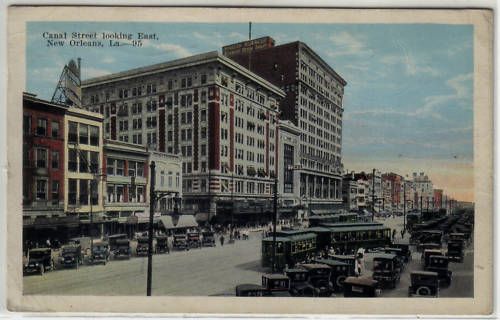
x,y
48,242
222,240
393,234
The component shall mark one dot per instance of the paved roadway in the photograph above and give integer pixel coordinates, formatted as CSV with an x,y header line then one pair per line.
x,y
208,271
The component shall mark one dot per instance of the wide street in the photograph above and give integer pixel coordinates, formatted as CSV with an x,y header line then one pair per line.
x,y
208,271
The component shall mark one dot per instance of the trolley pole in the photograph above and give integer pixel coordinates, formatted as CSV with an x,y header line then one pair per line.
x,y
275,214
373,194
152,199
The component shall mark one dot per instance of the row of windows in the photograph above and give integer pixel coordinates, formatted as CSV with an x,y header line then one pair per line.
x,y
117,193
42,158
116,167
42,192
42,128
79,192
80,133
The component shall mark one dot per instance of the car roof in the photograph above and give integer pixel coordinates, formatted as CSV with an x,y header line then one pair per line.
x,y
440,257
295,237
309,266
384,256
433,251
331,262
360,280
274,276
424,273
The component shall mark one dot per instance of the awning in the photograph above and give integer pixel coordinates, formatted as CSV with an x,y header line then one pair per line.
x,y
53,222
176,222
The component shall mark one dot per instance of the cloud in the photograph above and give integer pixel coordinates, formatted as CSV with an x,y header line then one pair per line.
x,y
346,43
108,59
410,64
175,49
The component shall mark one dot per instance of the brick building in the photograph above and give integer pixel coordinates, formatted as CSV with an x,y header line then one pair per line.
x,y
220,118
313,102
393,185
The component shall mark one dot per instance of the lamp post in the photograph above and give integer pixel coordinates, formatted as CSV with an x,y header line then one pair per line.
x,y
404,206
275,213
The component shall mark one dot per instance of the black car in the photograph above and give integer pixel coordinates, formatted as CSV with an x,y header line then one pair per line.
x,y
427,254
348,259
439,264
249,290
456,251
318,276
276,284
299,283
193,239
424,283
71,256
39,261
400,257
180,241
122,249
100,253
142,248
162,244
339,272
361,287
385,269
208,239
405,248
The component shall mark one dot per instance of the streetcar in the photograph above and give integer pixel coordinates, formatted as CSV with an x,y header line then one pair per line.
x,y
289,250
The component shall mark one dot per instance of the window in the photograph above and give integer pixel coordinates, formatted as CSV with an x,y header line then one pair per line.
x,y
94,135
84,134
27,124
84,192
41,189
94,196
203,132
119,193
203,78
140,169
203,115
41,158
120,167
72,191
55,129
110,166
55,160
55,192
84,160
94,162
41,128
72,160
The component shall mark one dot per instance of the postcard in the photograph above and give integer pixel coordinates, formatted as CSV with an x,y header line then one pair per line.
x,y
250,161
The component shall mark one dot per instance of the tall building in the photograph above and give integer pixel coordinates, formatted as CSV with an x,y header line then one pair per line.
x,y
313,102
424,189
219,117
288,175
376,199
393,185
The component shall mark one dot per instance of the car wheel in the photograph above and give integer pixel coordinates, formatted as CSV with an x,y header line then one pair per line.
x,y
423,291
340,281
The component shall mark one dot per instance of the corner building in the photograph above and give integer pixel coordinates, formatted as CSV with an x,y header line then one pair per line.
x,y
313,102
218,116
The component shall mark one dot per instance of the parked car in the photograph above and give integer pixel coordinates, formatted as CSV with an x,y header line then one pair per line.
x,y
457,236
208,239
405,248
249,290
39,261
114,239
162,244
455,251
193,239
122,249
427,254
100,252
350,260
400,257
439,264
386,270
318,276
299,284
339,272
428,245
424,283
142,248
180,241
276,284
361,287
71,256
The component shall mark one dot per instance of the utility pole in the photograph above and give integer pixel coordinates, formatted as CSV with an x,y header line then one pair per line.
x,y
152,200
275,214
373,194
421,205
404,206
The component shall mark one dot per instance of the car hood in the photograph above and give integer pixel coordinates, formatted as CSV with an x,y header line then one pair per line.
x,y
35,260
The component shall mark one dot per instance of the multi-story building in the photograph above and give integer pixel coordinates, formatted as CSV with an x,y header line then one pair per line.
x,y
288,159
168,181
376,199
437,198
424,189
363,194
43,166
313,102
350,192
220,117
393,185
83,180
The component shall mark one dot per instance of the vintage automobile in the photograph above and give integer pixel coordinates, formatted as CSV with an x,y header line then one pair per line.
x,y
386,270
439,264
429,245
350,260
427,254
39,261
162,244
193,239
457,236
318,275
405,248
299,284
339,272
361,287
71,256
424,283
249,290
208,239
142,248
455,251
112,240
180,241
122,249
399,254
276,284
100,252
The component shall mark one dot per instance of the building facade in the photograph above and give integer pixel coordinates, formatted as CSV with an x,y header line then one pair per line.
x,y
376,198
220,118
363,195
288,162
350,192
313,102
168,181
393,186
438,199
424,189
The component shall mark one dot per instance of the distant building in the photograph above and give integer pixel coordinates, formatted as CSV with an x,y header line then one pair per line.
x,y
375,196
424,189
289,164
437,202
393,184
313,102
350,192
363,194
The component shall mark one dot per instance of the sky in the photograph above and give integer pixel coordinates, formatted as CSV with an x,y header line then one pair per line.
x,y
407,104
